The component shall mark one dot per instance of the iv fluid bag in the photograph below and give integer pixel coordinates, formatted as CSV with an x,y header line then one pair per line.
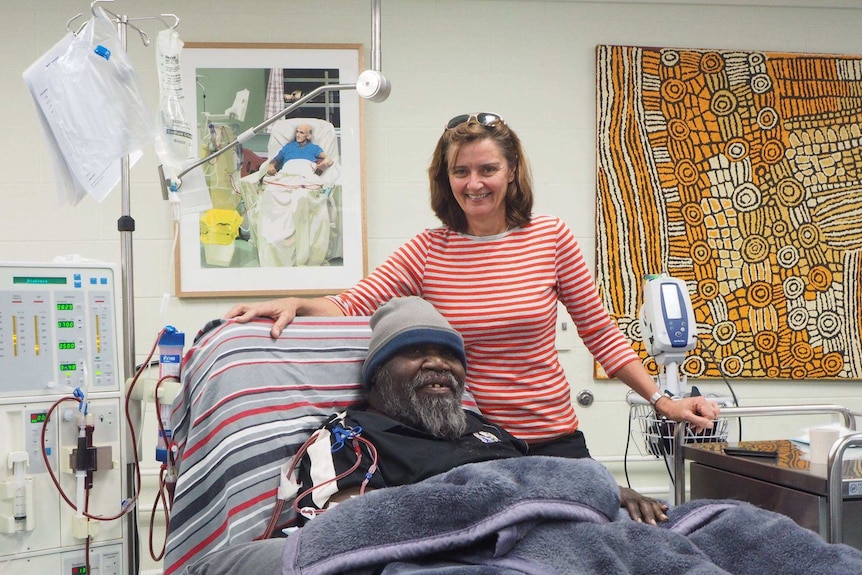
x,y
173,135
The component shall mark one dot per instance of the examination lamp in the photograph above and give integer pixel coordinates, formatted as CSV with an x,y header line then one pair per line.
x,y
370,85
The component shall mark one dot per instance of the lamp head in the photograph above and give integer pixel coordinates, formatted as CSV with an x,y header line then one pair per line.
x,y
373,85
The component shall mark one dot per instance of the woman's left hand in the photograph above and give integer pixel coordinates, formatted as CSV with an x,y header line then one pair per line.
x,y
698,411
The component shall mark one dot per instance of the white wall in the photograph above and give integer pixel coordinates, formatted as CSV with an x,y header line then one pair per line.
x,y
531,61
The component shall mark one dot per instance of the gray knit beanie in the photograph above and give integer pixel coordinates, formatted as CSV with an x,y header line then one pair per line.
x,y
402,322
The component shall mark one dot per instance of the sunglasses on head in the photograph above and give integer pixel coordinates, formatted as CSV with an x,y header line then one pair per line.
x,y
487,119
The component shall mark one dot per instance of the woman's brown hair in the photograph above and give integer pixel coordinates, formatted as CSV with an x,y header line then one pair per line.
x,y
519,195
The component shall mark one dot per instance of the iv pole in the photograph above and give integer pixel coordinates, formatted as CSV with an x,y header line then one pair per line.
x,y
126,226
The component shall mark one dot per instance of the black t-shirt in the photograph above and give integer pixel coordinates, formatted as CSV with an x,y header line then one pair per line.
x,y
404,455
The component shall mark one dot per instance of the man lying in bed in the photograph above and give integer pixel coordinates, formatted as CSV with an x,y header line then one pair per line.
x,y
415,422
414,426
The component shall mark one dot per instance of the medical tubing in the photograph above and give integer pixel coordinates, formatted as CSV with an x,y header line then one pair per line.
x,y
279,503
88,538
81,467
272,525
357,450
368,475
729,387
273,520
129,504
628,442
276,512
167,478
53,476
164,433
160,495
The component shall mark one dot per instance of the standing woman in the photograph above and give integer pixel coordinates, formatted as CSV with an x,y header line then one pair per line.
x,y
496,272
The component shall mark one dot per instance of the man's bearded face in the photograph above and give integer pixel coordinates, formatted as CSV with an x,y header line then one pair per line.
x,y
421,387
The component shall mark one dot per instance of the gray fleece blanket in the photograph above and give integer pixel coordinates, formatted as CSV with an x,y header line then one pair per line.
x,y
547,516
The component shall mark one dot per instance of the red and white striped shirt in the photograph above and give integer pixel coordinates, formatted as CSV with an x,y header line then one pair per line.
x,y
500,292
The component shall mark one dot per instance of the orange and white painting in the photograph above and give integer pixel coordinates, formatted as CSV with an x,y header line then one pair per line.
x,y
740,173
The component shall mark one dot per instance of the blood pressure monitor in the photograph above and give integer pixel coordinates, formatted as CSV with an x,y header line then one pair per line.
x,y
667,317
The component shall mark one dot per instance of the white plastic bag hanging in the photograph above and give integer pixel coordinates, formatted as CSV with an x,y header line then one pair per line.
x,y
174,137
97,116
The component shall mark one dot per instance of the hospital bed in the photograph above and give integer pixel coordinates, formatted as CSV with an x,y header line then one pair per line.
x,y
249,401
294,218
246,404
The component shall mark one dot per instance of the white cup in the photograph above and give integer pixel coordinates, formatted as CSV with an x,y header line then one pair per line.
x,y
820,441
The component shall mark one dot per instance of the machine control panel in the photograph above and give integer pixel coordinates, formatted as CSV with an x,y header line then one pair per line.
x,y
57,329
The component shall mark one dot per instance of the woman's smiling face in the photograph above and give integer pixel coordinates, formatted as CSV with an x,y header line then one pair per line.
x,y
479,176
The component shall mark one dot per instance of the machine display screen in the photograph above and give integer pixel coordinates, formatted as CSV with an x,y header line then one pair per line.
x,y
66,345
65,323
38,417
80,570
34,280
65,306
68,366
671,301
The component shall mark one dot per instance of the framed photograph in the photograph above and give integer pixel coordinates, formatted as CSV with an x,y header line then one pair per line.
x,y
285,213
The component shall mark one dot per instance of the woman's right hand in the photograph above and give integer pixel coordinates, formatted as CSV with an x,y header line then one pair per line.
x,y
282,311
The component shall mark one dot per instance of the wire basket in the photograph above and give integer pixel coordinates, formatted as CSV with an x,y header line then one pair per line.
x,y
658,432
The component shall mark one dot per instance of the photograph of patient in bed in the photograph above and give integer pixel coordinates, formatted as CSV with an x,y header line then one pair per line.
x,y
293,202
298,227
287,212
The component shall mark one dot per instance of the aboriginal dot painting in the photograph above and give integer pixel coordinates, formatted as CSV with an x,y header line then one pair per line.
x,y
741,174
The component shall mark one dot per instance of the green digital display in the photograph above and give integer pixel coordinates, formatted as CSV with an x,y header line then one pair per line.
x,y
68,367
65,323
79,570
33,280
66,345
65,306
38,417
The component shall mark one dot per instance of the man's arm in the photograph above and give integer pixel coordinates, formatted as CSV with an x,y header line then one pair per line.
x,y
323,162
275,164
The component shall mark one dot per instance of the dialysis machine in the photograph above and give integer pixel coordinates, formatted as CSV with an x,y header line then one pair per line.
x,y
62,445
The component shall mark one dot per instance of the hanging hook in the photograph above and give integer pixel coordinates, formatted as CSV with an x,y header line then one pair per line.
x,y
124,20
93,5
72,19
144,38
176,21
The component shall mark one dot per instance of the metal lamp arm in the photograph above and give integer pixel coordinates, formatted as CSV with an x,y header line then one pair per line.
x,y
174,185
371,85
